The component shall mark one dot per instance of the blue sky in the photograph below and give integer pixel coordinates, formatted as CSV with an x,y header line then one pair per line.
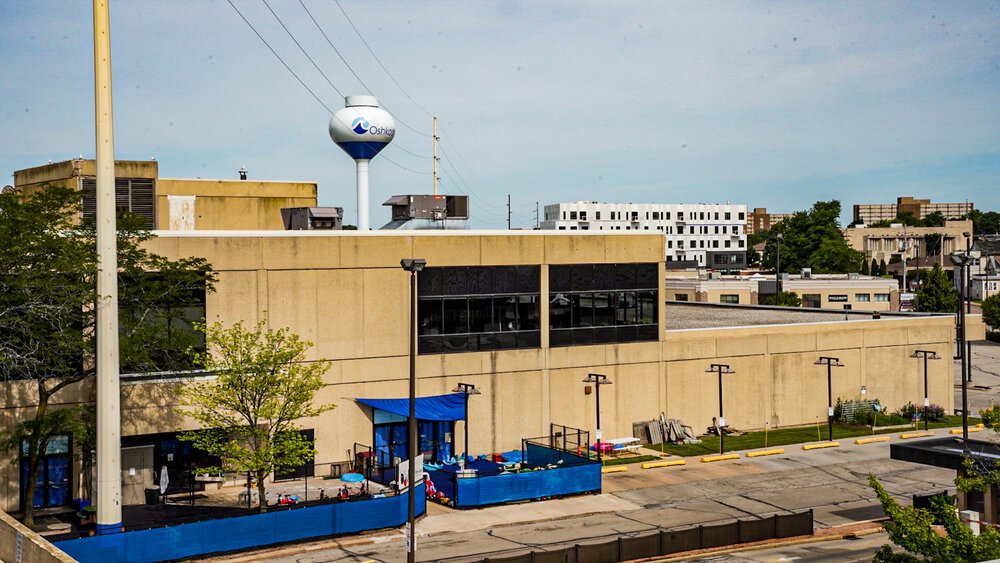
x,y
773,105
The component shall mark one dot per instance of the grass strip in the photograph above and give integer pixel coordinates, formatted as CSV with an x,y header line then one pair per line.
x,y
785,436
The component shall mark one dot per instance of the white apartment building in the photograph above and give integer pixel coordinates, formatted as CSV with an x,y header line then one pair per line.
x,y
708,235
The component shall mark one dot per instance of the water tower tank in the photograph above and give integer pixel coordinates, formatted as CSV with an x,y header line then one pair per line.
x,y
362,129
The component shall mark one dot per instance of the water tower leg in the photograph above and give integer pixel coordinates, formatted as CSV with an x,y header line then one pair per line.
x,y
362,194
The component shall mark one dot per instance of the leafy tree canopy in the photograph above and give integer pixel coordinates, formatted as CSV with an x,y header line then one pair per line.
x,y
991,311
250,413
784,299
812,239
935,293
48,293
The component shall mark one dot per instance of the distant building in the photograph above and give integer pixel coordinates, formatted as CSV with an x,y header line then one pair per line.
x,y
818,291
761,220
177,205
709,235
899,241
920,208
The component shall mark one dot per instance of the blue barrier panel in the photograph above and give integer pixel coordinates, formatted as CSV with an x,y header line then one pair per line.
x,y
241,532
495,489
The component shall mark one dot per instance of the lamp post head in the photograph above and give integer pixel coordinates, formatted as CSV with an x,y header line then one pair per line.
x,y
826,360
597,378
467,388
413,264
717,368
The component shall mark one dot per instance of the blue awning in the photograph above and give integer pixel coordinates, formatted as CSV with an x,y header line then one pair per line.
x,y
438,407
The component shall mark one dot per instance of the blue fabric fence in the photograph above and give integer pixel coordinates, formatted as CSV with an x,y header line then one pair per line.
x,y
242,532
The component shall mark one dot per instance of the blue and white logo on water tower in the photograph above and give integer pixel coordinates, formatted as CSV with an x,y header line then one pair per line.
x,y
360,125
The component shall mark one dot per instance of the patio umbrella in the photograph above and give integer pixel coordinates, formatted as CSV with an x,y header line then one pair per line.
x,y
352,477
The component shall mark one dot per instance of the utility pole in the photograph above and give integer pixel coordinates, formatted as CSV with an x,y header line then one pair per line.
x,y
536,215
508,212
109,480
435,140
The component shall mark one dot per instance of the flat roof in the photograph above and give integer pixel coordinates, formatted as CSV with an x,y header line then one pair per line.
x,y
399,233
687,315
947,452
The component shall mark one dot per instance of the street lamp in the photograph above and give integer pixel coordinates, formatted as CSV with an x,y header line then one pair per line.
x,y
963,259
721,369
829,363
598,380
466,389
933,355
412,265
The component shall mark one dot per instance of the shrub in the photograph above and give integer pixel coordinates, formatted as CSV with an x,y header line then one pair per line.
x,y
935,413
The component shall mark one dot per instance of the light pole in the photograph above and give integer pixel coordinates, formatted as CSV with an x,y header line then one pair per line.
x,y
933,355
962,259
466,389
412,265
598,380
721,369
829,363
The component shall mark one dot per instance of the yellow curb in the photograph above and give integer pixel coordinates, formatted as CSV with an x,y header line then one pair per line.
x,y
614,469
971,429
823,445
980,425
872,440
663,463
720,457
765,452
916,435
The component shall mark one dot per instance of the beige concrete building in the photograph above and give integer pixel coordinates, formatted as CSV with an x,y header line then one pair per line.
x,y
825,291
885,243
919,208
174,204
560,306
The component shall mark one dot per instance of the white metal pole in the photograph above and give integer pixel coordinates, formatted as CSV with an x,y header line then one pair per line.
x,y
363,194
109,510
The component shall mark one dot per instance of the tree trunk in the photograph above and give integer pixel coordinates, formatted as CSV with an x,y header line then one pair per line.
x,y
34,460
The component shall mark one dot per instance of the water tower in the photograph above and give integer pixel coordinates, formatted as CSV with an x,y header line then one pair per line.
x,y
362,129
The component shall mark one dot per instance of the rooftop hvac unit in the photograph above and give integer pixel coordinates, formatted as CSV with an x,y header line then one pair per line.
x,y
853,276
807,273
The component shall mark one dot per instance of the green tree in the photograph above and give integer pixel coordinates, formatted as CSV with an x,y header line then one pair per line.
x,y
935,219
874,268
910,528
932,242
249,414
991,312
48,295
864,268
987,223
812,239
935,294
784,299
882,268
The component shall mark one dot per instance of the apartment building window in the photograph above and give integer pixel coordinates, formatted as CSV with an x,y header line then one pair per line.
x,y
716,215
882,297
666,215
680,244
811,300
656,215
564,215
742,243
572,214
733,299
602,303
167,325
743,216
719,259
572,228
701,243
728,244
723,229
728,215
597,215
736,229
670,244
583,215
716,229
715,244
562,227
468,309
680,215
635,215
680,297
862,297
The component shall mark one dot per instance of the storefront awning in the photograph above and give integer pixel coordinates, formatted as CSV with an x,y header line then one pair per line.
x,y
438,407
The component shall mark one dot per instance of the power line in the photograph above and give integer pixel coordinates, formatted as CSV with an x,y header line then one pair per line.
x,y
389,74
297,44
335,50
275,53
